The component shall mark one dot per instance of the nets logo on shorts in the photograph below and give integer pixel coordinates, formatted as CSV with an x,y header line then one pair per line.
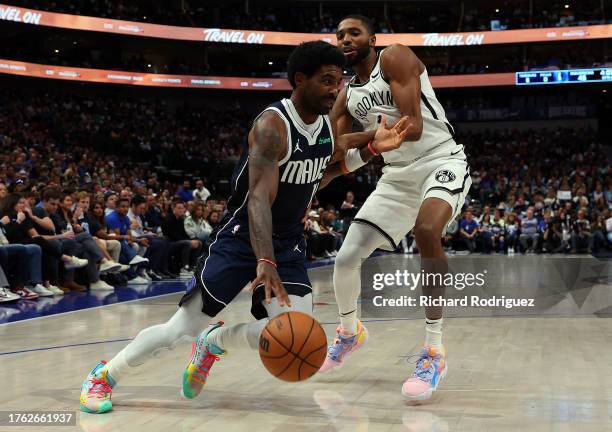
x,y
445,176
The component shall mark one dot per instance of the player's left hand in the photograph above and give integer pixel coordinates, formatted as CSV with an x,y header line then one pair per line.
x,y
387,139
268,276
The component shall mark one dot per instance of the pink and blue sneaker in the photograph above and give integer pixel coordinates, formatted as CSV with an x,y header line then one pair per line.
x,y
430,371
203,355
344,345
96,390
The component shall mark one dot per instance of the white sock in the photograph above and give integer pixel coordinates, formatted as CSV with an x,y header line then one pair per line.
x,y
118,366
349,322
247,334
361,240
238,336
433,332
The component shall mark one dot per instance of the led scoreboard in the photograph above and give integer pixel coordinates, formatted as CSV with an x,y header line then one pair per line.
x,y
569,76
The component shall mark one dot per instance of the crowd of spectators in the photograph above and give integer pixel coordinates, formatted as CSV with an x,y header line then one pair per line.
x,y
84,203
54,239
547,191
400,17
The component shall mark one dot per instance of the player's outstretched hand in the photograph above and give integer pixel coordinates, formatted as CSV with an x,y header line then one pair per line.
x,y
268,276
387,139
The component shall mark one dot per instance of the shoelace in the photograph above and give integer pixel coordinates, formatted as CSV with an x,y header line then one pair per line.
x,y
424,365
338,346
99,387
204,367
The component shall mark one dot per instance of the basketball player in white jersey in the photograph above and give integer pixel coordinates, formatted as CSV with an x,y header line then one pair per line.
x,y
422,188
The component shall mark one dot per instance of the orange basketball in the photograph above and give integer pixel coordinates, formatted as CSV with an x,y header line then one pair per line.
x,y
293,346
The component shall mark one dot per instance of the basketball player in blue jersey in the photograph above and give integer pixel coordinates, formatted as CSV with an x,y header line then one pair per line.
x,y
261,239
423,188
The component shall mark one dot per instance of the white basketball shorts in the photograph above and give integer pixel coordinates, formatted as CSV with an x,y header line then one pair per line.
x,y
392,208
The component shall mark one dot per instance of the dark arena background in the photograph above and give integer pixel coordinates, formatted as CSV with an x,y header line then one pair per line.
x,y
146,105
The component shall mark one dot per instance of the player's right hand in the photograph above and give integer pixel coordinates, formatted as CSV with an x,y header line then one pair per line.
x,y
268,276
387,139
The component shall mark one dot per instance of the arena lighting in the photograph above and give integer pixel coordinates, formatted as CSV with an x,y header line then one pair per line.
x,y
77,22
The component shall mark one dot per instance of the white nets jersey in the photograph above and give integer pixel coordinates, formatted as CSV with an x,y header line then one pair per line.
x,y
365,102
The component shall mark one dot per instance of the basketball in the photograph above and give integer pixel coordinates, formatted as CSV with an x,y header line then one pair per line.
x,y
292,346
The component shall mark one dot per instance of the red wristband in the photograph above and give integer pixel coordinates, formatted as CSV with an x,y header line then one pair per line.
x,y
371,148
265,260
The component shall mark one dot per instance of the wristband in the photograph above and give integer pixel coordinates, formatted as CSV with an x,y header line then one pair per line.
x,y
352,161
371,148
265,260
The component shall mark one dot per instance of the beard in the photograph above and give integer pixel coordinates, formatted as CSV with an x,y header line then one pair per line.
x,y
361,55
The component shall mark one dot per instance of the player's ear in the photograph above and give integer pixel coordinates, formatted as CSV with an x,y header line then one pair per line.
x,y
373,41
299,78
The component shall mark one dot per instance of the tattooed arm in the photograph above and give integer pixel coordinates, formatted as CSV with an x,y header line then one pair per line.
x,y
267,145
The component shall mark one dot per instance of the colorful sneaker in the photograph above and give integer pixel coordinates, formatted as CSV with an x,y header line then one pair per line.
x,y
203,355
344,345
429,373
97,390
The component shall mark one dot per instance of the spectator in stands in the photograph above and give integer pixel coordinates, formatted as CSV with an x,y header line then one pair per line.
x,y
581,237
598,237
3,192
553,236
98,229
42,218
147,243
119,224
183,250
214,218
153,213
20,229
65,221
485,235
530,232
185,192
201,193
196,225
328,222
22,266
109,248
110,199
468,231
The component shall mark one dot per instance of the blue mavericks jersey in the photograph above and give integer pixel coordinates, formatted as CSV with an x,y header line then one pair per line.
x,y
309,150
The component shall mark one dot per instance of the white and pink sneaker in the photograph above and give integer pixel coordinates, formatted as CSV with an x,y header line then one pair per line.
x,y
344,344
430,371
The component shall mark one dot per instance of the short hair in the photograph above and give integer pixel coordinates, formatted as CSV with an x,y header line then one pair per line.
x,y
82,195
51,193
121,199
308,57
31,194
176,201
138,199
367,22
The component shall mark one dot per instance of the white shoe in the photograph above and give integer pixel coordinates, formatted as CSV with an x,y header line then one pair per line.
x,y
75,263
185,274
510,251
123,268
109,267
101,285
41,290
55,290
7,295
138,259
143,274
138,280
